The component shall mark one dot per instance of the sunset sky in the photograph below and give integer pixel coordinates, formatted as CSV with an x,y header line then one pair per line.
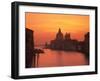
x,y
45,26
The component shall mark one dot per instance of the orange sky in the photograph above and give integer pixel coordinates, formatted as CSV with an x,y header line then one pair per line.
x,y
45,26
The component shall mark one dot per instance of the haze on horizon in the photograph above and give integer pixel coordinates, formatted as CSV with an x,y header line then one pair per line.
x,y
45,26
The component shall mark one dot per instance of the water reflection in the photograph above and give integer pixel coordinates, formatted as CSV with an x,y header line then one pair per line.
x,y
60,52
53,58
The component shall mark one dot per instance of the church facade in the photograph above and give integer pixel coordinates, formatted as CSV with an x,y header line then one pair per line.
x,y
62,42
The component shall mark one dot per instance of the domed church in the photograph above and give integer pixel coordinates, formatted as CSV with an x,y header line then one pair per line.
x,y
59,35
62,42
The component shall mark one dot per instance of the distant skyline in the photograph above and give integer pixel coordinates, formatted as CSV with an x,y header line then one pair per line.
x,y
45,26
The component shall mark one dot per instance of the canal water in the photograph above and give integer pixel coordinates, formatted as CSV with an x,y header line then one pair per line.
x,y
55,58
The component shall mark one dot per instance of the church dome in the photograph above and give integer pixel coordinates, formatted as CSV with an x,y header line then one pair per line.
x,y
59,35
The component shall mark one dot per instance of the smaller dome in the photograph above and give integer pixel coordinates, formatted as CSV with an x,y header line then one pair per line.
x,y
67,36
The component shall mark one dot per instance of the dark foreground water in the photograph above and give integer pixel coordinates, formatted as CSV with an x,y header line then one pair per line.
x,y
53,58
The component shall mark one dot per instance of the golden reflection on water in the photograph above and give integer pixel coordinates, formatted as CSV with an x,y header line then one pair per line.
x,y
52,58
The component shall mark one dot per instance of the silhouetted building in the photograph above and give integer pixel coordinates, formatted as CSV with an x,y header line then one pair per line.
x,y
29,47
63,42
66,43
67,36
69,44
58,42
59,35
86,43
